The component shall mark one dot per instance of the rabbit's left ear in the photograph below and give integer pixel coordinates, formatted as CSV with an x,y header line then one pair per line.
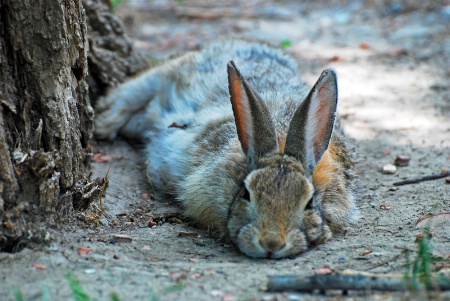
x,y
312,126
253,122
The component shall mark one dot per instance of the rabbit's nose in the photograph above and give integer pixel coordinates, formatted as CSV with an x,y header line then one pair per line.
x,y
272,244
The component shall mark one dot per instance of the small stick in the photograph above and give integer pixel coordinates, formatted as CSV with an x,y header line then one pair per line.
x,y
346,281
103,188
422,179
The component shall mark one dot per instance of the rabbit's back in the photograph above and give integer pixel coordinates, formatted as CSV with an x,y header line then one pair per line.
x,y
195,97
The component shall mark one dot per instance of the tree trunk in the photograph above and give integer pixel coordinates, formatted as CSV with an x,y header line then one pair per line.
x,y
46,119
111,56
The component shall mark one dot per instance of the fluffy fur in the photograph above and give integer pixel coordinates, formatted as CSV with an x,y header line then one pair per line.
x,y
269,169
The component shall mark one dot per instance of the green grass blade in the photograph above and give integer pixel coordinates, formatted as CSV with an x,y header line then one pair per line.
x,y
77,290
115,3
18,294
115,297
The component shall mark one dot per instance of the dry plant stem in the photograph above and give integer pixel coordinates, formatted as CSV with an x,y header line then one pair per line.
x,y
422,179
381,263
103,189
338,281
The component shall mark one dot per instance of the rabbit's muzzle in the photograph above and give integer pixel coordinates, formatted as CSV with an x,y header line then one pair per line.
x,y
273,222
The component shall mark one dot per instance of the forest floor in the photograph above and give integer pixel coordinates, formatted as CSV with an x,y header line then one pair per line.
x,y
393,64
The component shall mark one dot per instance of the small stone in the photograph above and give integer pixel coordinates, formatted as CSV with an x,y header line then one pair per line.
x,y
216,293
122,238
89,271
393,188
388,169
402,161
447,180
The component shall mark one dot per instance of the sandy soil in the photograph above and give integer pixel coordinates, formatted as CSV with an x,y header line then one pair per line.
x,y
393,63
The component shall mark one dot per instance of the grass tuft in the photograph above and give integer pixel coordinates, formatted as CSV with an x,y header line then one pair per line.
x,y
115,3
77,290
286,43
18,295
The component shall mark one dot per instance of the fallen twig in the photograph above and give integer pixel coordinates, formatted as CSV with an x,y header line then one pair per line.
x,y
104,187
422,179
395,257
348,280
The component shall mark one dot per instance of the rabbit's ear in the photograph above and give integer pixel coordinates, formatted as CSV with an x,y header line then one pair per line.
x,y
311,127
253,122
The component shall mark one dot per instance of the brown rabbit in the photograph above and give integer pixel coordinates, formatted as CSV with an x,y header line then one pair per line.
x,y
270,168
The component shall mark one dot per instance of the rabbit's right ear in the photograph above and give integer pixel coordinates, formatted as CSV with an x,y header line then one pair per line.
x,y
312,125
253,122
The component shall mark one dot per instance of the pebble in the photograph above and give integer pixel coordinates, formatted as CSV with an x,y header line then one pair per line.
x,y
447,180
122,238
388,169
89,271
292,297
402,160
216,293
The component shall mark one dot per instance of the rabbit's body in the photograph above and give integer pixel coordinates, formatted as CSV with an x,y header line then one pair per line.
x,y
202,148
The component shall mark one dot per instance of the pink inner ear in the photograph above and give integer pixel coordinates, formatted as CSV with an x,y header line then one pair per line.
x,y
240,107
323,111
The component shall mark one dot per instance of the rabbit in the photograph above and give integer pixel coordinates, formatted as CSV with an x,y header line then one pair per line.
x,y
235,134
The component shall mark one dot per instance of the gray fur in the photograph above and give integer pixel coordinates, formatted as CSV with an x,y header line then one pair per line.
x,y
204,166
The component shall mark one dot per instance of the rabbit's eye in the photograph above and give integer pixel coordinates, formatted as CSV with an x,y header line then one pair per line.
x,y
309,204
246,195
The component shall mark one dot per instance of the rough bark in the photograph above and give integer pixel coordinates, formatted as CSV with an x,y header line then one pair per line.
x,y
112,58
46,119
45,114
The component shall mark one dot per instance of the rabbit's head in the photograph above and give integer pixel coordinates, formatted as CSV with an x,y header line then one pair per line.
x,y
277,212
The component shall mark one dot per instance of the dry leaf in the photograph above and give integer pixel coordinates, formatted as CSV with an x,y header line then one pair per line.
x,y
151,223
364,46
84,251
323,271
100,158
228,297
421,236
336,58
366,252
39,266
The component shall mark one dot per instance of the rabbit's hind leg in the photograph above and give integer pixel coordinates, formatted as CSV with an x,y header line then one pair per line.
x,y
126,105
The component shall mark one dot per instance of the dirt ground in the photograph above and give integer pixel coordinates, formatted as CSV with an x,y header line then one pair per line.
x,y
393,64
